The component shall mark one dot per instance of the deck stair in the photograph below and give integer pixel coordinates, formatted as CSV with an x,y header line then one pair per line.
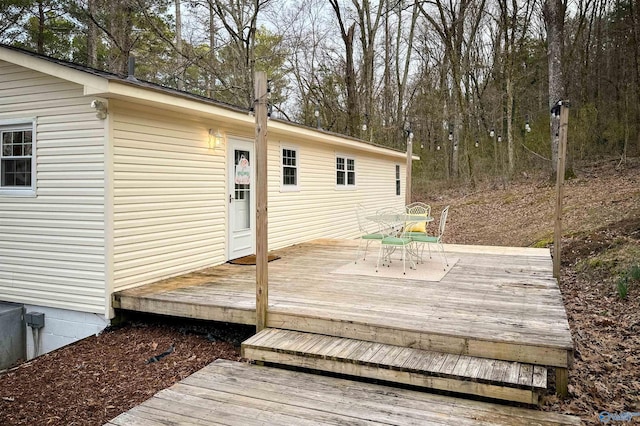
x,y
512,381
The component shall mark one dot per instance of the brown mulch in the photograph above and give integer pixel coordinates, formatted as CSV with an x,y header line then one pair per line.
x,y
95,379
92,381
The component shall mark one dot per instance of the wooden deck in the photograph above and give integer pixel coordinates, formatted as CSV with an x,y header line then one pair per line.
x,y
498,303
232,393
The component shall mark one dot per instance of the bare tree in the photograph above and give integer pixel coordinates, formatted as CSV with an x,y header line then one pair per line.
x,y
348,34
369,22
514,22
553,12
457,26
239,19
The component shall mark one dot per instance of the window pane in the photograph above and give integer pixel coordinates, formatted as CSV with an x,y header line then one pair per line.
x,y
351,178
397,172
16,172
397,187
351,164
289,176
7,149
340,163
340,178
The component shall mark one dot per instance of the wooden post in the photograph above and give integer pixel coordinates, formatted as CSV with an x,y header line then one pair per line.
x,y
407,194
562,152
262,275
562,381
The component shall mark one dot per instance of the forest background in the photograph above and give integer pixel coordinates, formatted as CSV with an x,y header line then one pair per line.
x,y
469,79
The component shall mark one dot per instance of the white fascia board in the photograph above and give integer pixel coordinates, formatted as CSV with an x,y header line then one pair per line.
x,y
52,69
143,95
333,139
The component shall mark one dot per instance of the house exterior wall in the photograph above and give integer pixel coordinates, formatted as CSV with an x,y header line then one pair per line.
x,y
168,195
318,208
52,242
61,327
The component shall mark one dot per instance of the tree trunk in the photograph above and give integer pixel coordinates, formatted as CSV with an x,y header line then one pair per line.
x,y
212,51
92,37
509,112
634,12
553,12
350,80
41,23
180,70
387,98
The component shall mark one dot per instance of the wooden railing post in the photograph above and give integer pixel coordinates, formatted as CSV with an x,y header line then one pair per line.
x,y
562,376
562,152
262,275
407,195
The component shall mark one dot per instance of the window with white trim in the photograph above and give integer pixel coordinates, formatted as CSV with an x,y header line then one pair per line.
x,y
397,179
345,172
17,158
289,163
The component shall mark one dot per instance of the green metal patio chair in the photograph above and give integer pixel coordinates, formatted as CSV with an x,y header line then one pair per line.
x,y
427,240
394,239
367,232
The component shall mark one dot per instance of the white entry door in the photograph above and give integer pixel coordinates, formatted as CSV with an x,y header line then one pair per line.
x,y
241,180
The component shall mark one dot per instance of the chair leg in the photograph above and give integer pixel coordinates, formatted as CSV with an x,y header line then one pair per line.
x,y
366,247
379,256
358,250
443,255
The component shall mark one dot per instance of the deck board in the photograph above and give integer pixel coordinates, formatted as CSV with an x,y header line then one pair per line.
x,y
232,393
496,302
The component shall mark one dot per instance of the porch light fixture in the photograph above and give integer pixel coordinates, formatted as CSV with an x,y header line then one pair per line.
x,y
100,107
216,139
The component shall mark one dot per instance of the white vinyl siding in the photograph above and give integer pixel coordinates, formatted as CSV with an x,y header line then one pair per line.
x,y
52,244
319,209
169,196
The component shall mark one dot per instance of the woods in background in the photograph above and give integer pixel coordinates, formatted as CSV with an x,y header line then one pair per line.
x,y
472,79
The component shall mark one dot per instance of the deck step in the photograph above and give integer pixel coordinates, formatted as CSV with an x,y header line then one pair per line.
x,y
511,381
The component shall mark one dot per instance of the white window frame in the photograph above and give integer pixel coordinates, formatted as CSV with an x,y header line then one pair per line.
x,y
398,188
289,188
21,124
346,185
